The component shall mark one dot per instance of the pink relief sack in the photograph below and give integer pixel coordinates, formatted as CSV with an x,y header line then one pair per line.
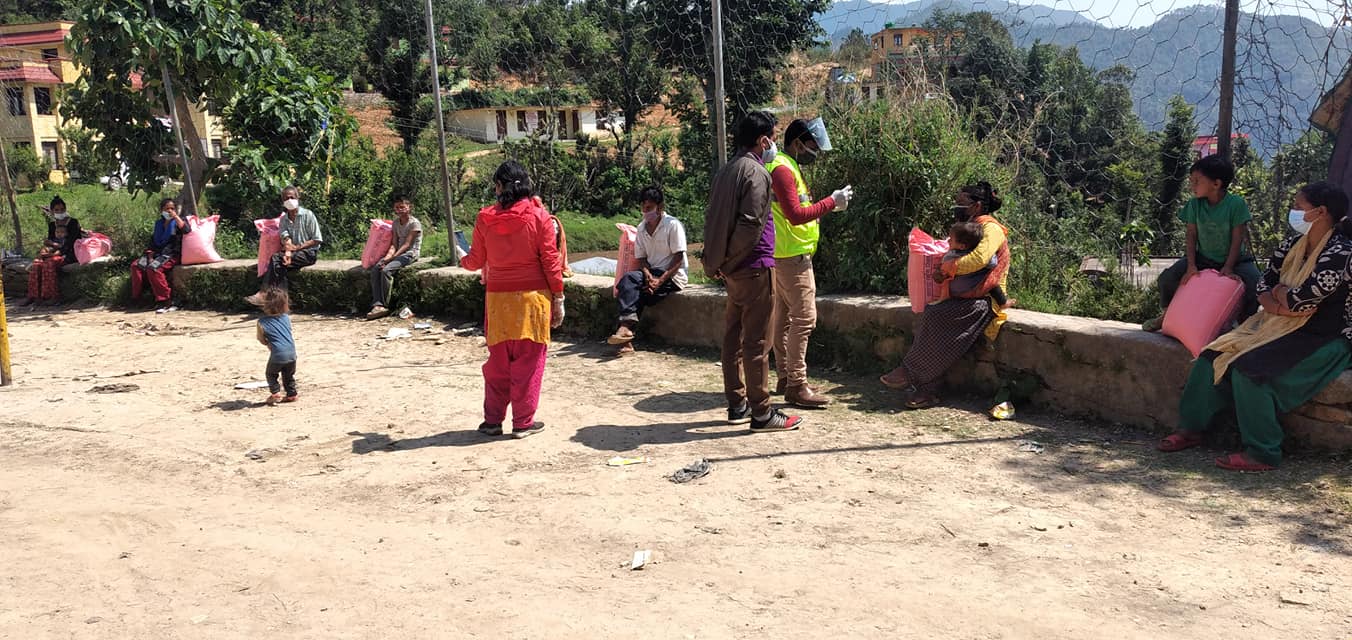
x,y
378,242
199,246
269,241
627,261
925,257
93,246
1201,309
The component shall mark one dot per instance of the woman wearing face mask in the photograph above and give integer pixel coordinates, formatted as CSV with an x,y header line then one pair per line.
x,y
57,250
166,246
1291,349
952,326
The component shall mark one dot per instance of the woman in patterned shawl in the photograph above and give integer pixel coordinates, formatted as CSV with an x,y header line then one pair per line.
x,y
1291,349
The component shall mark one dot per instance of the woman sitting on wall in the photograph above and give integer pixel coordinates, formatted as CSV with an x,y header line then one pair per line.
x,y
947,329
165,250
1291,349
44,275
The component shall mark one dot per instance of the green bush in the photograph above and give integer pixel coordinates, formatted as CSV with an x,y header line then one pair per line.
x,y
906,162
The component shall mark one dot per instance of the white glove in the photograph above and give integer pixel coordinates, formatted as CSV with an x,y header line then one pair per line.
x,y
460,253
842,197
556,314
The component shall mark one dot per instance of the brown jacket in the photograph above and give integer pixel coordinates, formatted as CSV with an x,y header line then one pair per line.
x,y
739,205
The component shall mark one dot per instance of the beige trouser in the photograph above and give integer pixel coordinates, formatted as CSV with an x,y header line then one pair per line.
x,y
795,316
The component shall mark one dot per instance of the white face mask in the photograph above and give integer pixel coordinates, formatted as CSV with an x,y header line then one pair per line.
x,y
769,154
1296,218
291,205
166,215
61,216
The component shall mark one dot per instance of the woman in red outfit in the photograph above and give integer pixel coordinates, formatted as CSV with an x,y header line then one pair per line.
x,y
58,250
514,243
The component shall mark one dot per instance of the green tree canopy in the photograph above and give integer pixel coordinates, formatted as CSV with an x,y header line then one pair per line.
x,y
277,111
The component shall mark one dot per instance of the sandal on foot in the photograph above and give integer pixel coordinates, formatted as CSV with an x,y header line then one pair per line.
x,y
1242,462
1178,442
922,401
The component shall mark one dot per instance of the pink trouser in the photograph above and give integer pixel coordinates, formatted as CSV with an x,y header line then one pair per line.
x,y
512,375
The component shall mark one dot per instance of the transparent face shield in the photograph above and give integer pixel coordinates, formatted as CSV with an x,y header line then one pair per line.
x,y
818,130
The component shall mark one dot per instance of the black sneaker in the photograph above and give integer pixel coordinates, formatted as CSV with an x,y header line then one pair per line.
x,y
740,414
491,428
777,421
528,431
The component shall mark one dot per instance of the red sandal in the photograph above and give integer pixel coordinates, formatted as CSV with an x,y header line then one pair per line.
x,y
1178,442
1242,462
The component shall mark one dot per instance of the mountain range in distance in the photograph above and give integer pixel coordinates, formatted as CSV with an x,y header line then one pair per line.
x,y
1284,63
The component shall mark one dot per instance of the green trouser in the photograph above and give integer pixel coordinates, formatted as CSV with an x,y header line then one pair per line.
x,y
1257,405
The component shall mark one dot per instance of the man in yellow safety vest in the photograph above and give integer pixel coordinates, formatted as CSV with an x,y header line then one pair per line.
x,y
796,236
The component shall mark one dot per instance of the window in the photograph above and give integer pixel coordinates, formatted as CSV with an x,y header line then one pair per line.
x,y
896,40
23,144
14,96
51,152
217,147
521,121
42,100
49,54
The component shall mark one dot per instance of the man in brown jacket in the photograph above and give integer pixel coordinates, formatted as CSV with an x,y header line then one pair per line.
x,y
739,248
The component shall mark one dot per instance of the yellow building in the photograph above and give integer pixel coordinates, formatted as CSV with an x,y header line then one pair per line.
x,y
35,66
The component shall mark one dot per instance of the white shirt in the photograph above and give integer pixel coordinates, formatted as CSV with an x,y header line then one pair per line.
x,y
659,247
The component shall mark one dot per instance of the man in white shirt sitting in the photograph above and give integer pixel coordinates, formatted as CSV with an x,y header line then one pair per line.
x,y
660,251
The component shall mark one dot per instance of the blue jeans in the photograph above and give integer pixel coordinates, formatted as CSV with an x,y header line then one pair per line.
x,y
633,298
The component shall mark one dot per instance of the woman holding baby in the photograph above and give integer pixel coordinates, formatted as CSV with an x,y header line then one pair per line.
x,y
949,327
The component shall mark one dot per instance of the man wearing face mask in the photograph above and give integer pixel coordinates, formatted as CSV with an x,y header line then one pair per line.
x,y
301,239
739,248
796,235
660,250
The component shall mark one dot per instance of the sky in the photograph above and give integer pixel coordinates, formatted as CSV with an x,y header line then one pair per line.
x,y
1141,13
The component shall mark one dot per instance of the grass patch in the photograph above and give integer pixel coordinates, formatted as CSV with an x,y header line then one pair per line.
x,y
126,219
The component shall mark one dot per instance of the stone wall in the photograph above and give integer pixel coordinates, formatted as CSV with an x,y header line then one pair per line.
x,y
1093,369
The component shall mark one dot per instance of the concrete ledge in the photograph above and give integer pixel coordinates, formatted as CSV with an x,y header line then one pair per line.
x,y
1093,369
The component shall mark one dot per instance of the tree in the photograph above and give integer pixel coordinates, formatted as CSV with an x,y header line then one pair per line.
x,y
855,49
20,11
277,111
396,47
757,35
623,73
328,35
1175,159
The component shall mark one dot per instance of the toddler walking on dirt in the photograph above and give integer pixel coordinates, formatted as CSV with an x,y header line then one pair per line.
x,y
274,331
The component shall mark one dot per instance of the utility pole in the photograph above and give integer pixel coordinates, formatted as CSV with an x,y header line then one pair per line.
x,y
720,100
9,194
191,200
1225,110
6,376
441,134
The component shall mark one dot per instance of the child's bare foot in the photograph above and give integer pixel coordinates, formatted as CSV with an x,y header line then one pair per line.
x,y
1010,303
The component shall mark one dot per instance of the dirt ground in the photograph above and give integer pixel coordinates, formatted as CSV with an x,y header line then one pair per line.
x,y
374,510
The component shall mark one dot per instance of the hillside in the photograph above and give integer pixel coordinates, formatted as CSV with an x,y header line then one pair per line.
x,y
1285,62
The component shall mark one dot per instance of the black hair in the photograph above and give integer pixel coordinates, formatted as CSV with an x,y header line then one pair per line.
x,y
651,194
55,201
167,201
753,127
399,197
1331,197
984,193
1215,167
515,183
968,233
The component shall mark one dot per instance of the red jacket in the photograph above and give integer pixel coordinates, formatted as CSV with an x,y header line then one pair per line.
x,y
518,248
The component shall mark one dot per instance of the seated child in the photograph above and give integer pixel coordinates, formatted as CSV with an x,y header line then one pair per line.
x,y
963,237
